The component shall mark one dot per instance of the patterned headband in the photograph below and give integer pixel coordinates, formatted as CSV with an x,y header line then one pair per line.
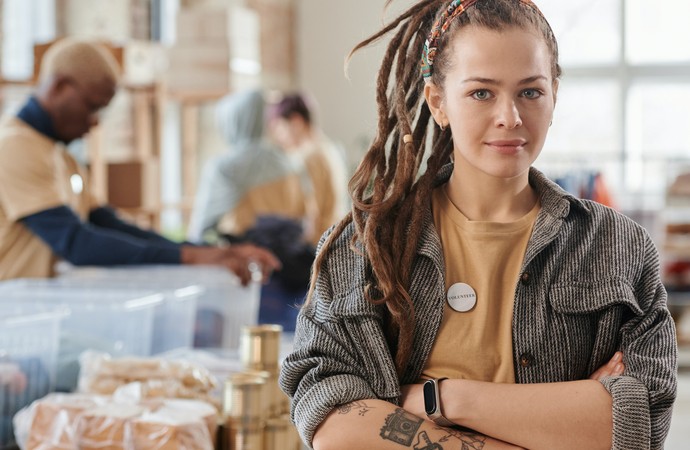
x,y
456,8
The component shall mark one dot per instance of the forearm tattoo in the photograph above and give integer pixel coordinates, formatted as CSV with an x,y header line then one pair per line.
x,y
424,443
468,439
402,428
361,407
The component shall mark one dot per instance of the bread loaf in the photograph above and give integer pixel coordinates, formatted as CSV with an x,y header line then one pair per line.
x,y
90,422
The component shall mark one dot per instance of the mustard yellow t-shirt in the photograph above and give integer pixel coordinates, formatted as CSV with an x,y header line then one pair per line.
x,y
36,174
282,197
328,176
488,256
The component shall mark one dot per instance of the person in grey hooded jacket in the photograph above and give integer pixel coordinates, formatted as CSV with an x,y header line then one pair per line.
x,y
253,178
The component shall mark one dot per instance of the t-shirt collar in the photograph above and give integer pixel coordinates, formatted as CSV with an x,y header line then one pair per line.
x,y
37,118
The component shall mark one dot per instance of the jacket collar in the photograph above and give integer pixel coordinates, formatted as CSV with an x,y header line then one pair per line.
x,y
556,205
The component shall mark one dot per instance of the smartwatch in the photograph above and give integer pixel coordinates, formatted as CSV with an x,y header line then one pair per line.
x,y
432,403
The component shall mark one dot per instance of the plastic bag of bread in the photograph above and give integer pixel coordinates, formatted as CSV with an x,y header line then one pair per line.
x,y
154,378
91,422
49,423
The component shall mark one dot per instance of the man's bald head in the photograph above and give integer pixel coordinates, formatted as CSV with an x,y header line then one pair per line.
x,y
78,79
85,62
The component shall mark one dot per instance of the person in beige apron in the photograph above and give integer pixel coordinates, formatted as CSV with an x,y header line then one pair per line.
x,y
47,210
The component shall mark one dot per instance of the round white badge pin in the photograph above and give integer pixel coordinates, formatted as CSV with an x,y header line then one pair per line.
x,y
461,297
77,183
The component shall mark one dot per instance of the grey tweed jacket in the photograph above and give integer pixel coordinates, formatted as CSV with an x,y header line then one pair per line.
x,y
590,285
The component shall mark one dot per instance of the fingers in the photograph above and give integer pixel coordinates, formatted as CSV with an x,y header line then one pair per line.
x,y
240,267
613,368
241,259
255,256
254,262
260,255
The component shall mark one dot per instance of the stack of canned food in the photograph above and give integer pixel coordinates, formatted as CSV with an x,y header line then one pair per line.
x,y
255,410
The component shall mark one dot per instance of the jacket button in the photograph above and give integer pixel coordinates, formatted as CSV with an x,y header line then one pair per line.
x,y
526,359
525,278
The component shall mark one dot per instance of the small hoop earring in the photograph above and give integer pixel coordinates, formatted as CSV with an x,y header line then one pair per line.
x,y
442,127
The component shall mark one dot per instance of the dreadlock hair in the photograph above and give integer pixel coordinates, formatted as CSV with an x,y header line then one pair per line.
x,y
390,190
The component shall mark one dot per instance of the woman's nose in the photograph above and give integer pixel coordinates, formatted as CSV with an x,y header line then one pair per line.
x,y
508,115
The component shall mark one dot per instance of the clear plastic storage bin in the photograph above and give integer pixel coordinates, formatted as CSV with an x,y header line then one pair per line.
x,y
116,322
224,307
29,337
119,322
174,319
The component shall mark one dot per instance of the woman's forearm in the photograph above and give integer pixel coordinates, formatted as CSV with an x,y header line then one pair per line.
x,y
382,425
569,415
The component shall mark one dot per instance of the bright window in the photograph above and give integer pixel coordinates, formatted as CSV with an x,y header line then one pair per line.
x,y
25,23
622,106
657,32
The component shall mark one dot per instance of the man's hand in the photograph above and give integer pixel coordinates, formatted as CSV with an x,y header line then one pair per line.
x,y
248,260
243,260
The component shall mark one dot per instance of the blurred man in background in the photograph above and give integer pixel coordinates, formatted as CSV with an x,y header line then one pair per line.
x,y
47,212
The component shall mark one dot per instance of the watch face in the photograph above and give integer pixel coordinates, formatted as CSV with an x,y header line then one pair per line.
x,y
430,397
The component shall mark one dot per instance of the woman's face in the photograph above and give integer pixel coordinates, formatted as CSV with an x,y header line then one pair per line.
x,y
498,99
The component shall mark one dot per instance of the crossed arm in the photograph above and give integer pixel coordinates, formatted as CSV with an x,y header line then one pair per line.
x,y
490,416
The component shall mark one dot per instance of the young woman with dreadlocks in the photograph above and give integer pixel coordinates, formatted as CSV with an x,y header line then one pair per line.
x,y
467,302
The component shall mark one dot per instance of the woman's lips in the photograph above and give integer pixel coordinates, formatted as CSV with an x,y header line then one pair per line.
x,y
507,146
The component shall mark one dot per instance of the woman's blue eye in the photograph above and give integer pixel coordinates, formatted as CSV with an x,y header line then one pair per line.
x,y
481,94
531,93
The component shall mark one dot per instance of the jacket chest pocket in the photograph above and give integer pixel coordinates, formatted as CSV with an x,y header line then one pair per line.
x,y
586,320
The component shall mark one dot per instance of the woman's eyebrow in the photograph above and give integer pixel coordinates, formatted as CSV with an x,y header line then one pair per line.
x,y
527,80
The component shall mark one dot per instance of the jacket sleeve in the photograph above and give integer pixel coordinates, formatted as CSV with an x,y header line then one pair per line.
x,y
643,397
339,356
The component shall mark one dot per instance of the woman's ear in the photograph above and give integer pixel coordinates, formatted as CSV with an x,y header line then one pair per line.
x,y
434,98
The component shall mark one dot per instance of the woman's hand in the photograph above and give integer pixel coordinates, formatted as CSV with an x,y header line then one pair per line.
x,y
613,368
412,399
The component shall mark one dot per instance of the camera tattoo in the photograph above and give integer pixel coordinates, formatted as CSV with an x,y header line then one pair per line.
x,y
401,427
361,407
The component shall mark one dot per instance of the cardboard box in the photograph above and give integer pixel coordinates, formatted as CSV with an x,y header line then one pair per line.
x,y
213,43
191,80
216,23
214,55
133,184
199,24
143,62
